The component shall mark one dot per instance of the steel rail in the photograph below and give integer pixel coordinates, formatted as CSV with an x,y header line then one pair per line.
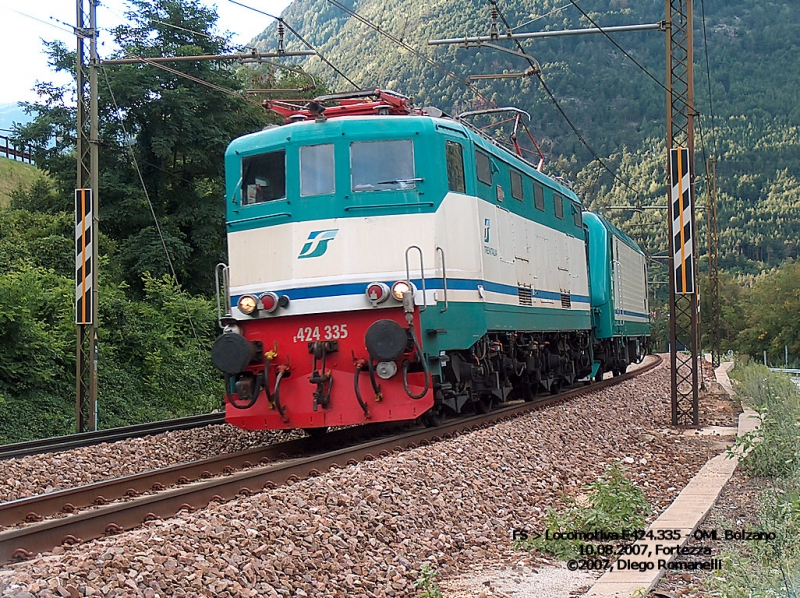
x,y
27,541
37,507
63,443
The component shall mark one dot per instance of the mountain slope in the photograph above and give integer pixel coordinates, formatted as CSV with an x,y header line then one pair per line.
x,y
619,110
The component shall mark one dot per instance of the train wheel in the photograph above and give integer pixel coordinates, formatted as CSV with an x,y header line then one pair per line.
x,y
316,432
484,404
530,392
617,373
598,377
434,417
555,387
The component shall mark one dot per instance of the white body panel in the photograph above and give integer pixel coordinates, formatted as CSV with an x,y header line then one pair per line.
x,y
518,253
629,281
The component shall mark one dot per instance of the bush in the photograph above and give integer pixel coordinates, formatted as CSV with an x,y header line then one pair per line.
x,y
613,504
769,568
775,446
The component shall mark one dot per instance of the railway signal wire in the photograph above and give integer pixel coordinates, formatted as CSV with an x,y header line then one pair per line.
x,y
135,163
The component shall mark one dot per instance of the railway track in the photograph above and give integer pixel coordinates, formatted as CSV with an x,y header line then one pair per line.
x,y
194,491
63,443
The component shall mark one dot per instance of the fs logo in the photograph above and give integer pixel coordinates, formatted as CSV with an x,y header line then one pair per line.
x,y
487,229
317,243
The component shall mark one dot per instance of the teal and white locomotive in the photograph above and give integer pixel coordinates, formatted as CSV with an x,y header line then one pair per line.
x,y
390,263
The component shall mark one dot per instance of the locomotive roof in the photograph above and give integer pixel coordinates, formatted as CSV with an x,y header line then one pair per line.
x,y
616,232
389,126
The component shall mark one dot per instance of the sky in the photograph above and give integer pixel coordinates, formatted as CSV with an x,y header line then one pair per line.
x,y
23,63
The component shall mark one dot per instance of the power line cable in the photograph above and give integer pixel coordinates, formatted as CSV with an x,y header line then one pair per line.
x,y
703,148
450,74
197,80
179,28
150,204
708,74
301,38
552,96
533,20
71,30
620,48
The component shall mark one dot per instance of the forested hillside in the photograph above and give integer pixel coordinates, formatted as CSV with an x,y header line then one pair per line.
x,y
754,76
163,136
162,142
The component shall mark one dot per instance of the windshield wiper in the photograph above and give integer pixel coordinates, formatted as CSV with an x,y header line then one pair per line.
x,y
399,181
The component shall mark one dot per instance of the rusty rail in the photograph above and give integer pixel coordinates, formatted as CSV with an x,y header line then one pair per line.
x,y
27,541
14,152
36,508
71,441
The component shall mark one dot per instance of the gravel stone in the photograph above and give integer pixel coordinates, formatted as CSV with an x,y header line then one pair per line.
x,y
38,474
365,530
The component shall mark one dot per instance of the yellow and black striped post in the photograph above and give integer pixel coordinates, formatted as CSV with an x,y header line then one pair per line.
x,y
85,310
84,265
682,219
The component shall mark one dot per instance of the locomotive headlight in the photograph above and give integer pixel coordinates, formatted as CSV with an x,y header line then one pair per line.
x,y
400,288
248,304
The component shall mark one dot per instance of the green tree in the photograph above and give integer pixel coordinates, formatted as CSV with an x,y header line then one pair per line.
x,y
165,122
154,360
772,310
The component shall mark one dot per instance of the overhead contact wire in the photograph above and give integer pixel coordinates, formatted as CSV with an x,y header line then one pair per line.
x,y
152,209
620,48
533,20
301,38
708,75
532,62
197,80
450,74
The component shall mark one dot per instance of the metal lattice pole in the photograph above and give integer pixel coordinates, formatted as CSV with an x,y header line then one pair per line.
x,y
683,304
86,210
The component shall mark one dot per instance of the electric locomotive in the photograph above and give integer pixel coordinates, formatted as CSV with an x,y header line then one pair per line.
x,y
391,263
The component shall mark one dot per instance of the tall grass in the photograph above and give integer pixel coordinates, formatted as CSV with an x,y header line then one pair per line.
x,y
768,568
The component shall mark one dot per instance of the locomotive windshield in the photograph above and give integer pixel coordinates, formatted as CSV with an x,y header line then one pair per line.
x,y
264,177
317,170
382,165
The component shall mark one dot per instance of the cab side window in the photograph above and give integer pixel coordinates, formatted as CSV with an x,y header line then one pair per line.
x,y
483,166
455,167
576,215
538,196
516,185
317,170
264,177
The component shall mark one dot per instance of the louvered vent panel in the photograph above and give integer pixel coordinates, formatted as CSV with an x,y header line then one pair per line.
x,y
566,301
524,294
